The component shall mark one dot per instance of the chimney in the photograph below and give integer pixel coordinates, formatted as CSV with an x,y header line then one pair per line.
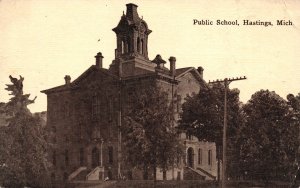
x,y
200,70
172,65
67,79
131,12
99,58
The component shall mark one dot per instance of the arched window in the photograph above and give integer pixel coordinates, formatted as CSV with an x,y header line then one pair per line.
x,y
209,157
128,45
138,45
190,157
142,46
96,105
123,47
200,156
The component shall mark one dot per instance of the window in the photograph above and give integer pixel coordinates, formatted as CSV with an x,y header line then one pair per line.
x,y
164,175
95,106
53,129
81,156
65,176
66,110
130,97
128,45
122,48
209,157
200,156
52,177
99,107
129,174
66,157
54,158
67,139
138,45
110,108
110,154
142,46
80,129
145,174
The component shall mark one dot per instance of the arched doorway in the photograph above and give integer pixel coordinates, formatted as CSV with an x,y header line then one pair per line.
x,y
190,157
95,157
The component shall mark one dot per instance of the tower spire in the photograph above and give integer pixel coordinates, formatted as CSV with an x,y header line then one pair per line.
x,y
132,34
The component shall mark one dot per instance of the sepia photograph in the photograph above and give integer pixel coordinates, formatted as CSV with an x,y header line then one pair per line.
x,y
149,94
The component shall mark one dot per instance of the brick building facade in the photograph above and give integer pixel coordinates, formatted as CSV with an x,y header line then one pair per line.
x,y
84,115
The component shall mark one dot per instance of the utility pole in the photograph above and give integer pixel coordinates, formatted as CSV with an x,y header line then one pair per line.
x,y
119,130
226,82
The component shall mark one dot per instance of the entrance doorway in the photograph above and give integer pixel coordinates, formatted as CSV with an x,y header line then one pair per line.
x,y
95,157
190,157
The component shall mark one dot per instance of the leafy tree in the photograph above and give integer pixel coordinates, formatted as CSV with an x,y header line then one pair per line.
x,y
269,140
149,137
294,102
22,142
203,116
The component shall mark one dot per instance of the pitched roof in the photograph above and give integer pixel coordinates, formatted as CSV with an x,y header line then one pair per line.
x,y
74,85
183,70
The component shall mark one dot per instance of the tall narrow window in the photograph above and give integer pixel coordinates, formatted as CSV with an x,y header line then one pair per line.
x,y
80,128
110,108
67,157
138,45
65,176
54,158
123,47
110,154
129,174
128,45
142,46
200,156
66,110
67,139
52,177
81,156
209,157
54,129
96,105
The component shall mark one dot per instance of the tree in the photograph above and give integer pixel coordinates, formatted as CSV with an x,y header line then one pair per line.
x,y
269,140
22,142
202,115
149,137
294,102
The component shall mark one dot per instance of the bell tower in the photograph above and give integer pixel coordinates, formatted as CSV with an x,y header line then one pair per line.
x,y
132,35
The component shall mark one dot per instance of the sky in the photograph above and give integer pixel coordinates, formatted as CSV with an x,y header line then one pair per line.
x,y
45,40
